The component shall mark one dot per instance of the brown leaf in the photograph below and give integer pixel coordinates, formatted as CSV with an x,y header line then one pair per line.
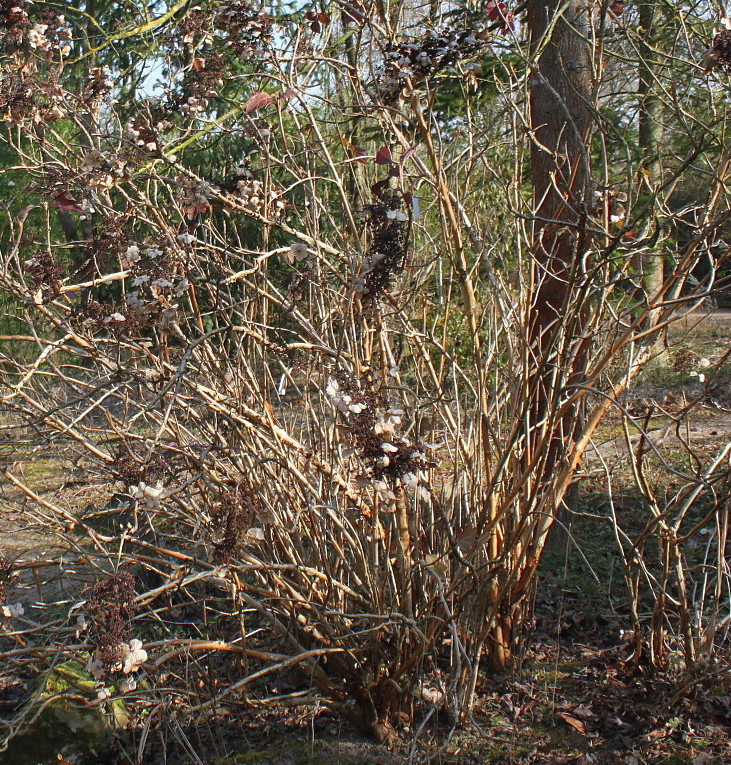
x,y
577,725
378,187
257,101
317,19
354,152
64,202
583,711
383,156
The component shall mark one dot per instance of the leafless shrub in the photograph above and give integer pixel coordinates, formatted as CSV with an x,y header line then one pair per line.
x,y
368,458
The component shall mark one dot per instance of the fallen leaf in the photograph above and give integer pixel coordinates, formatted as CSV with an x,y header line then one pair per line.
x,y
583,711
577,725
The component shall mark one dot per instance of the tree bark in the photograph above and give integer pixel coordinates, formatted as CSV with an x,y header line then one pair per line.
x,y
650,128
560,124
561,120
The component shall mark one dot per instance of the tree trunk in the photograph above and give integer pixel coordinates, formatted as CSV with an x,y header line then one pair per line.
x,y
560,123
650,129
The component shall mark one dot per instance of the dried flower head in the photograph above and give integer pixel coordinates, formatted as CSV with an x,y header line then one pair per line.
x,y
194,29
6,573
389,228
611,202
373,426
194,196
45,276
111,606
98,85
129,469
13,20
231,521
720,52
248,30
416,60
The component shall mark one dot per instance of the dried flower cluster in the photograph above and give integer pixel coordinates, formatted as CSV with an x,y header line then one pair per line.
x,y
248,31
51,36
684,361
103,169
231,521
418,59
13,20
610,201
194,29
124,657
389,229
297,251
252,193
29,100
97,86
387,456
95,316
146,495
206,38
155,283
130,470
235,25
193,196
45,276
720,52
111,607
142,135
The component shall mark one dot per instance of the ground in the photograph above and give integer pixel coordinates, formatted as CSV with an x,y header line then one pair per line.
x,y
578,693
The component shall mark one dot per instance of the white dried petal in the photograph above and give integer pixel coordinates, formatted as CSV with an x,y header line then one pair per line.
x,y
13,609
134,658
95,667
299,250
